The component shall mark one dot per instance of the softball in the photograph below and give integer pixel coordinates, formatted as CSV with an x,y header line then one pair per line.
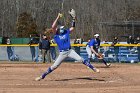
x,y
61,15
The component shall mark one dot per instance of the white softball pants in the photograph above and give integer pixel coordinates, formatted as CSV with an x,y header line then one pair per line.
x,y
62,55
89,52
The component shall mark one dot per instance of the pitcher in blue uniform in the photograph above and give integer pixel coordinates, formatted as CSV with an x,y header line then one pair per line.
x,y
62,38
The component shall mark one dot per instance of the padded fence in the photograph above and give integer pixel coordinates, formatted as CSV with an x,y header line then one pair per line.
x,y
18,53
119,53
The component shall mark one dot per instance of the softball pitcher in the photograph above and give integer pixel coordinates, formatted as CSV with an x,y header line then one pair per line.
x,y
92,48
62,39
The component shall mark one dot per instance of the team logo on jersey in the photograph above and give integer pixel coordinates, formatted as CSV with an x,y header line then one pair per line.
x,y
62,37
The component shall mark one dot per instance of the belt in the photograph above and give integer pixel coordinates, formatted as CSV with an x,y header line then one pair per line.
x,y
65,50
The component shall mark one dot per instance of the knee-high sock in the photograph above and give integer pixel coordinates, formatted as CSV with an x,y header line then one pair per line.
x,y
46,73
104,61
88,64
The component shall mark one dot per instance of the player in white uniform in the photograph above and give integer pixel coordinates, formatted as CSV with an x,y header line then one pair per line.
x,y
62,39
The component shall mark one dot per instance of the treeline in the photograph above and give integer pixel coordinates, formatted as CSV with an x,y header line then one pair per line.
x,y
92,15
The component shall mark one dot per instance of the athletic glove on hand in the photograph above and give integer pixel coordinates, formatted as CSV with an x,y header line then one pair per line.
x,y
72,13
100,56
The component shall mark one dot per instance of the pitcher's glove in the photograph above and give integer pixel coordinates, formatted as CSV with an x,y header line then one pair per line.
x,y
72,13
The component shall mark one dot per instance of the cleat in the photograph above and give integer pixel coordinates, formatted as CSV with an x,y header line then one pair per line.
x,y
38,78
108,64
96,70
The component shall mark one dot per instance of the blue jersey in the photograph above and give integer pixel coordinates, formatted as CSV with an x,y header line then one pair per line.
x,y
94,43
63,40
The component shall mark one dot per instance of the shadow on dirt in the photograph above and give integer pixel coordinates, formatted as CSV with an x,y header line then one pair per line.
x,y
82,78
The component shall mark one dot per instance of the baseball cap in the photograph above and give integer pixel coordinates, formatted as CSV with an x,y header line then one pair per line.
x,y
96,35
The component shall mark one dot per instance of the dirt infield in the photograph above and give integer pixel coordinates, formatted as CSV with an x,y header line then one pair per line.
x,y
70,78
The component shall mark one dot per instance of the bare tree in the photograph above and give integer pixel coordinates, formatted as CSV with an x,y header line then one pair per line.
x,y
90,15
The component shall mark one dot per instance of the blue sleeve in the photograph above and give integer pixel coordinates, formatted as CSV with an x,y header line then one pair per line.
x,y
92,43
68,31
